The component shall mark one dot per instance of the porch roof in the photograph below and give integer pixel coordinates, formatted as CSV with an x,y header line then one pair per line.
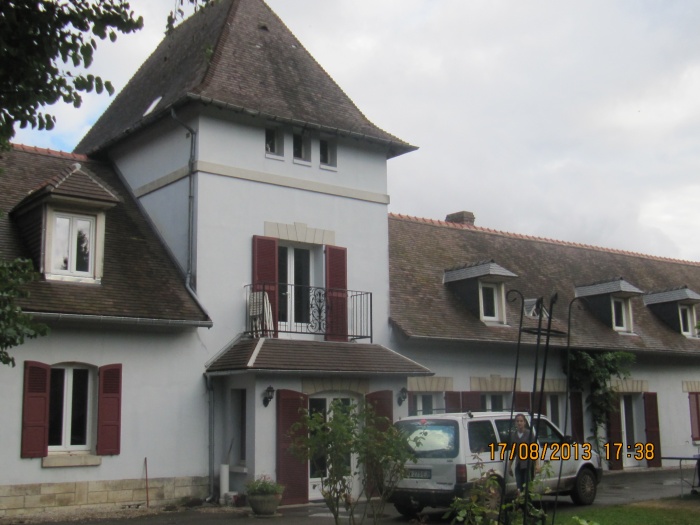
x,y
293,355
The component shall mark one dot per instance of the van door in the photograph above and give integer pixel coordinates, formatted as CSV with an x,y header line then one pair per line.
x,y
436,444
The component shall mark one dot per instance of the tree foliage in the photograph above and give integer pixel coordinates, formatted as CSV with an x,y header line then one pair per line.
x,y
45,48
331,440
15,325
592,372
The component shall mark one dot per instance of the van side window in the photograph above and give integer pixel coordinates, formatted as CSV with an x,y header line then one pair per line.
x,y
481,435
505,427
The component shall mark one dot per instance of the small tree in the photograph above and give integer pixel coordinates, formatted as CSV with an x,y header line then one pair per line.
x,y
330,440
15,325
593,371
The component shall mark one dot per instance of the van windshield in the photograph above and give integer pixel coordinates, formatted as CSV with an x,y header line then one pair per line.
x,y
431,438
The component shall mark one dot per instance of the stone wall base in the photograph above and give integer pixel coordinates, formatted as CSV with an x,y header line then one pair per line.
x,y
99,495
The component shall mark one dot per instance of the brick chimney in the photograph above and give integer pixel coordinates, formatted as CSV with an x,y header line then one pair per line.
x,y
461,217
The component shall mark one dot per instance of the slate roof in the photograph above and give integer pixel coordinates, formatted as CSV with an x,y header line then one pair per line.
x,y
140,282
238,55
423,307
314,357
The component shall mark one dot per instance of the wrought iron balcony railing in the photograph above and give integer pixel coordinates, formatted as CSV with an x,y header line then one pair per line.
x,y
338,315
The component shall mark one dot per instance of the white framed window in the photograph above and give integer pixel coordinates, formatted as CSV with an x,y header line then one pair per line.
x,y
71,408
274,142
491,301
301,147
74,246
688,320
494,403
621,314
423,404
295,270
328,153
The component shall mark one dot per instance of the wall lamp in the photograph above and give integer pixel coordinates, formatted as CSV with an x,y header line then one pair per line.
x,y
403,394
269,395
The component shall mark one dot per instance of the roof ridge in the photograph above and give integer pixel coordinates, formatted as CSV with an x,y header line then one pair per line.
x,y
457,226
50,152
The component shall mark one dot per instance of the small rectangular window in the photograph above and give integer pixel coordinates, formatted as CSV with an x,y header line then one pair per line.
x,y
73,244
301,147
328,152
491,299
619,313
273,141
687,318
694,398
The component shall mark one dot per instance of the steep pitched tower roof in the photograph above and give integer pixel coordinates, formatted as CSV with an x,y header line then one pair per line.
x,y
235,54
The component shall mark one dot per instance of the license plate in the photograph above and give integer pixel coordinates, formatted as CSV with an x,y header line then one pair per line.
x,y
419,474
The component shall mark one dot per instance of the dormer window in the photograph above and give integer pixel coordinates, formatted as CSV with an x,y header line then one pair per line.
x,y
622,314
534,307
481,288
610,301
687,318
70,210
73,244
676,307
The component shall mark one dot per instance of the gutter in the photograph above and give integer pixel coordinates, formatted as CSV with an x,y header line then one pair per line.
x,y
190,199
396,144
121,321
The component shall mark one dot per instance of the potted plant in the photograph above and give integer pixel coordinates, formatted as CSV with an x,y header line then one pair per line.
x,y
264,495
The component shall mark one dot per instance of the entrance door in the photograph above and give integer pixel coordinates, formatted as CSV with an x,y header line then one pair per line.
x,y
629,404
318,468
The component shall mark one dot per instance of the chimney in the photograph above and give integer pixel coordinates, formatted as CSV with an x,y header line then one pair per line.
x,y
461,217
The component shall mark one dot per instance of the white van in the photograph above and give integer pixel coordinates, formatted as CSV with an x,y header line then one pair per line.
x,y
449,445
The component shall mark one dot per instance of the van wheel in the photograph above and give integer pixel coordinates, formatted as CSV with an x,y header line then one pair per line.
x,y
408,509
493,492
585,489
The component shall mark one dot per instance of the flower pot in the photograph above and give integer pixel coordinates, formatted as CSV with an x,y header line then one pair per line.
x,y
264,504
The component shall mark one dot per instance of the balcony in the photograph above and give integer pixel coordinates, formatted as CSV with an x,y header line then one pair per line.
x,y
335,314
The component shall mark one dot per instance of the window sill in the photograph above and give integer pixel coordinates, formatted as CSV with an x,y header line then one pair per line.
x,y
328,167
239,469
71,279
274,156
71,460
624,332
302,162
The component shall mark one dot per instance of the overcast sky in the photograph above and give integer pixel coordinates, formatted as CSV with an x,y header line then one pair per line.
x,y
573,120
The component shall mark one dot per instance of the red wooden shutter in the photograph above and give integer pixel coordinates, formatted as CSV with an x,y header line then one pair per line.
x,y
615,434
265,271
521,402
471,401
336,294
694,398
382,402
453,402
291,471
576,400
651,420
35,410
109,410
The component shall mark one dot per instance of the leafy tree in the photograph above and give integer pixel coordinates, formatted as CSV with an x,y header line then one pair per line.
x,y
15,325
593,371
45,48
329,440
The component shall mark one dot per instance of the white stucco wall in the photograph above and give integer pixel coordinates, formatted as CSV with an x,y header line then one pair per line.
x,y
164,404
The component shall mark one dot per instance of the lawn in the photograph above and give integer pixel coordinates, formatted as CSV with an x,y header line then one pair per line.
x,y
671,511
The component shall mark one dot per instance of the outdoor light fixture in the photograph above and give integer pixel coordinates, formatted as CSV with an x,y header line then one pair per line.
x,y
403,394
269,395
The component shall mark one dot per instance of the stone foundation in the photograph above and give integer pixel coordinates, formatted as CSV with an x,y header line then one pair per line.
x,y
99,495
